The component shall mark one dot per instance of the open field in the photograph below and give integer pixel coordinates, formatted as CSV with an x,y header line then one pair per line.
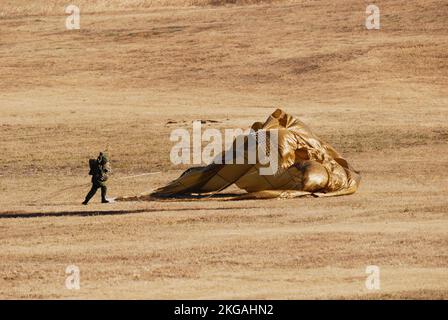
x,y
137,70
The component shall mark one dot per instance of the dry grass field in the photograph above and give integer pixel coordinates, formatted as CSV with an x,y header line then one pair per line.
x,y
138,69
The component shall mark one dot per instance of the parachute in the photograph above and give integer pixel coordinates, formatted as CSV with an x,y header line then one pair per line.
x,y
308,166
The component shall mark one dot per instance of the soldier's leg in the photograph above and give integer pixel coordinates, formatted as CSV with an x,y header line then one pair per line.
x,y
90,194
103,194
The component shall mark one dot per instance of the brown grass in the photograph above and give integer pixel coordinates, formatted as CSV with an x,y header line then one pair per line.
x,y
135,72
45,7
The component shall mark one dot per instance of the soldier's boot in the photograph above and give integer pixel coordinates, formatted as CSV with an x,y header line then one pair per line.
x,y
103,195
90,195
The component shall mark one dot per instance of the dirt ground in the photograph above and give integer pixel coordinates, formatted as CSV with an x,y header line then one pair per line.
x,y
134,72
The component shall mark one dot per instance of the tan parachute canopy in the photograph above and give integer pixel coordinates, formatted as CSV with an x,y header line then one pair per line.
x,y
307,166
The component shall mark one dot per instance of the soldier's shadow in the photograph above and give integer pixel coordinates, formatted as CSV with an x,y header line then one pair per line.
x,y
9,215
69,213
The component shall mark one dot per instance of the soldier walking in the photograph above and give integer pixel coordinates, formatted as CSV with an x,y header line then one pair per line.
x,y
100,169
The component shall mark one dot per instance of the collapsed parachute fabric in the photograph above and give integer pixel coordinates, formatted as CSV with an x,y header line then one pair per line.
x,y
307,167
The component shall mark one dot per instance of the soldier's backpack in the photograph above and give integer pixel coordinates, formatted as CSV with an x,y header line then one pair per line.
x,y
93,164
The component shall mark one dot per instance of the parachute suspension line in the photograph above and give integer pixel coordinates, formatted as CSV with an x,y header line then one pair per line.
x,y
139,175
53,194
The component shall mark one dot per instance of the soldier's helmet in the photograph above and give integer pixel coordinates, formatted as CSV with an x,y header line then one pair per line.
x,y
103,158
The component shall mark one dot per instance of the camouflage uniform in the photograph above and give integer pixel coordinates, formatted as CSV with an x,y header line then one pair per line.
x,y
100,170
